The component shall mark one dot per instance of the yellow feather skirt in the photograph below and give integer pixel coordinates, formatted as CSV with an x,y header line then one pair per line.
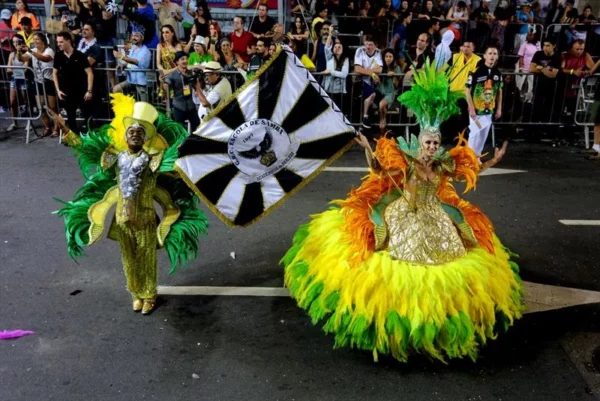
x,y
394,307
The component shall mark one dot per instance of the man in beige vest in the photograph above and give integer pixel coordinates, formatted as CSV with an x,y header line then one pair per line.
x,y
218,91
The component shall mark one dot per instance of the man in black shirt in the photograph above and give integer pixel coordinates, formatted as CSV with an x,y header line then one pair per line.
x,y
547,104
483,17
484,96
261,26
73,79
262,54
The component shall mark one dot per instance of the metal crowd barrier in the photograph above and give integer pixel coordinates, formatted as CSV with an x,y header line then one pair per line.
x,y
521,106
25,106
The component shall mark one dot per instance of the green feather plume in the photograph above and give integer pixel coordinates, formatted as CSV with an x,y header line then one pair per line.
x,y
430,97
89,152
174,133
75,212
181,244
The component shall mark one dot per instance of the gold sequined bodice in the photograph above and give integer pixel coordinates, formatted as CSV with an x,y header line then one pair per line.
x,y
418,228
139,210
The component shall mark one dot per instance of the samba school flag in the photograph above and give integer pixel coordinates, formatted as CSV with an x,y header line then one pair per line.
x,y
269,139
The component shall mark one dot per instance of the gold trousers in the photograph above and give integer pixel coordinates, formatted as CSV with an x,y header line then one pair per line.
x,y
138,251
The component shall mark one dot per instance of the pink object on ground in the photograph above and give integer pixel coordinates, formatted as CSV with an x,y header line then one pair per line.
x,y
7,335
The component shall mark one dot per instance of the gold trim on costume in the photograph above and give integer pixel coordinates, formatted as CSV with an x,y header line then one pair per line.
x,y
170,214
97,213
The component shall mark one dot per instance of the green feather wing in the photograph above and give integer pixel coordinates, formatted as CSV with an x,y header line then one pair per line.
x,y
89,151
174,133
75,212
181,244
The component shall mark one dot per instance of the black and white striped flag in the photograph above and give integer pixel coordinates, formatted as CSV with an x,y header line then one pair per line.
x,y
264,143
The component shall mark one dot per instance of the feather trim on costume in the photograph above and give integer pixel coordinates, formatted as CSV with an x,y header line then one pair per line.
x,y
122,106
466,163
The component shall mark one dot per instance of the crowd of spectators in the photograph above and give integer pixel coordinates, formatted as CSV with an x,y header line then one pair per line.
x,y
548,44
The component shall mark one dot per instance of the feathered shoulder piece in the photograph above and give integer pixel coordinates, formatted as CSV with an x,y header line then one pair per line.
x,y
430,97
466,163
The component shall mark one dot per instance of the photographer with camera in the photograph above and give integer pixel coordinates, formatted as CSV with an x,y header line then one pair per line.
x,y
183,81
219,89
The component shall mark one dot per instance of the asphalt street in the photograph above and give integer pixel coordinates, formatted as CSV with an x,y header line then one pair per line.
x,y
88,345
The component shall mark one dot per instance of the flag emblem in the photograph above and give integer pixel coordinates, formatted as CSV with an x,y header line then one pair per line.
x,y
264,143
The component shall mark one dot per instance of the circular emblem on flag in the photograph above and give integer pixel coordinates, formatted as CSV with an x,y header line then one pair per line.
x,y
260,148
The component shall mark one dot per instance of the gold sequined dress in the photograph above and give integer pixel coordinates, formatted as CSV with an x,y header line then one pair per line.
x,y
418,229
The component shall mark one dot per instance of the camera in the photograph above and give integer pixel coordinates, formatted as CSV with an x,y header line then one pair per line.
x,y
193,75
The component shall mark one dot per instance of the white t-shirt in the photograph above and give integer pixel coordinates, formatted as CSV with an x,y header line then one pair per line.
x,y
43,70
362,59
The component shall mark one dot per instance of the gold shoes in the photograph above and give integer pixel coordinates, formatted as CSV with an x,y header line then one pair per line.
x,y
137,304
148,305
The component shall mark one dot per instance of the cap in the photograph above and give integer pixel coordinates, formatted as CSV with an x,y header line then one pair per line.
x,y
179,55
5,14
199,40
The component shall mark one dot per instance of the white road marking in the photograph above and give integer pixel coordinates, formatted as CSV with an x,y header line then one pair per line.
x,y
580,222
490,171
538,297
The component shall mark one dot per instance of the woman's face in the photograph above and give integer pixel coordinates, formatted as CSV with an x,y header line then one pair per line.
x,y
200,11
367,5
298,22
167,34
17,42
20,5
429,5
272,49
388,3
389,59
212,31
338,49
226,47
430,144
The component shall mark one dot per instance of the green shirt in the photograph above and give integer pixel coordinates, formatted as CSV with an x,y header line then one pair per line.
x,y
195,58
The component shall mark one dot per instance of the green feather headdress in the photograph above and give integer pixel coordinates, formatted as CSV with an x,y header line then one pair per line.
x,y
430,97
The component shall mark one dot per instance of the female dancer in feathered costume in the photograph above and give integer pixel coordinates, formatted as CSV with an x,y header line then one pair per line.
x,y
405,265
130,164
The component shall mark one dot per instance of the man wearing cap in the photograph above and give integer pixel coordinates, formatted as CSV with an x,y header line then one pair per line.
x,y
216,89
138,58
183,83
524,17
27,32
5,31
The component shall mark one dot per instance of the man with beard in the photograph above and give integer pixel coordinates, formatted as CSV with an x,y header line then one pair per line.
x,y
262,54
138,58
73,79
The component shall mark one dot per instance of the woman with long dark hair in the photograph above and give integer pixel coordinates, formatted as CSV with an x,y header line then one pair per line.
x,y
165,55
231,62
18,82
334,77
300,34
388,85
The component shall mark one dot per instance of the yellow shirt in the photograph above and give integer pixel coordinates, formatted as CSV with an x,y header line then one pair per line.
x,y
460,72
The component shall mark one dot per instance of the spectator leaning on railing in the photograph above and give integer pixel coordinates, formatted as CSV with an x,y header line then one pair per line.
x,y
138,58
261,25
368,63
